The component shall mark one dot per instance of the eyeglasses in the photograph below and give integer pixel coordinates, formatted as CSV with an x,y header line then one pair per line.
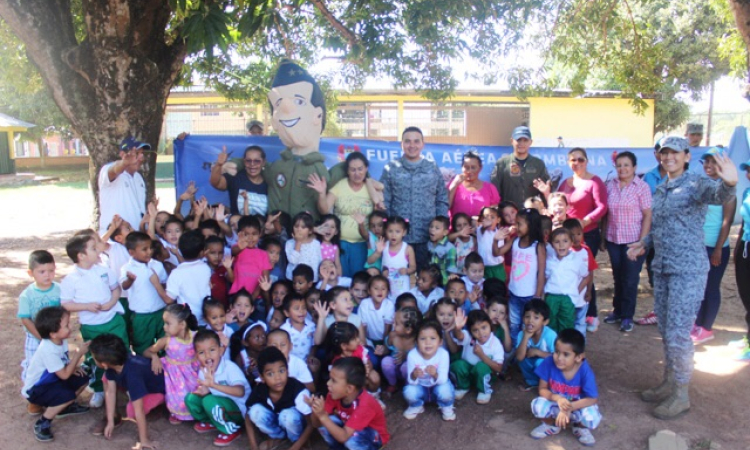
x,y
254,161
578,160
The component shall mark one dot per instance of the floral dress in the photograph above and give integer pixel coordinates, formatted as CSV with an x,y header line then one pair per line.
x,y
180,375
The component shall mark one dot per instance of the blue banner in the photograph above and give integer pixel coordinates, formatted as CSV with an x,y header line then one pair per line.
x,y
195,154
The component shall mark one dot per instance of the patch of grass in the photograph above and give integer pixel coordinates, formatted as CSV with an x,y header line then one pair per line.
x,y
701,444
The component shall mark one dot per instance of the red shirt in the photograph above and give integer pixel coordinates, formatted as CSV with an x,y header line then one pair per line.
x,y
592,261
363,412
220,285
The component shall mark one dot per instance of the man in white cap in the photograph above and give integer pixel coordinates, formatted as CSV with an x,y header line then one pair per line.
x,y
122,190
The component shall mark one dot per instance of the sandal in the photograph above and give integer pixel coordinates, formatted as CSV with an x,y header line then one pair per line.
x,y
648,319
525,387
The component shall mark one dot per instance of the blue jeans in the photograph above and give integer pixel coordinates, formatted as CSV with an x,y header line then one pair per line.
x,y
627,275
367,439
416,394
289,423
516,304
712,298
353,257
528,369
580,323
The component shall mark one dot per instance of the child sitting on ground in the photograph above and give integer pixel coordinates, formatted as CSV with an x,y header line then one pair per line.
x,y
295,366
54,378
399,342
329,277
336,306
342,341
427,290
536,341
482,355
349,417
359,288
301,330
474,279
567,391
277,406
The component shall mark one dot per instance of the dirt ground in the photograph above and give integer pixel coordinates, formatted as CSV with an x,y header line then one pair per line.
x,y
44,217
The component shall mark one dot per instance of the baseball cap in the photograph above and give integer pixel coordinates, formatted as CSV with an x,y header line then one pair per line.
x,y
694,128
711,152
674,143
745,165
130,142
254,123
521,132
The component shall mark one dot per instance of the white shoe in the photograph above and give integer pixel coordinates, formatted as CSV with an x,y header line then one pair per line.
x,y
413,411
483,398
97,400
448,413
461,393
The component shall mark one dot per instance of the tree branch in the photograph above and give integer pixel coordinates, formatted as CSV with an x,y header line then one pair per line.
x,y
345,32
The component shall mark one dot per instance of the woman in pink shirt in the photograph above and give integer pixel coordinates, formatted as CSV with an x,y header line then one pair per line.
x,y
466,192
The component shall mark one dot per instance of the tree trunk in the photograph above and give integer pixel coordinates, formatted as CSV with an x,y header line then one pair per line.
x,y
741,10
112,84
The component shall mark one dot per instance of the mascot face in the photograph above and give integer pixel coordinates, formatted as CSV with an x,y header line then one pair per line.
x,y
297,121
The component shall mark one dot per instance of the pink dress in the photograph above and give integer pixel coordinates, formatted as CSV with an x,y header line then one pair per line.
x,y
180,375
328,251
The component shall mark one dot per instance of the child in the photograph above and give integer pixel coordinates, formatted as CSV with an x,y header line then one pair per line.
x,y
328,232
405,300
400,341
359,287
133,373
567,391
427,368
273,247
546,224
427,292
497,310
303,279
301,329
349,417
277,406
508,212
189,283
462,238
482,355
337,306
589,296
476,271
567,275
329,276
377,313
179,364
173,231
376,224
558,209
140,276
295,366
159,253
43,292
222,274
442,251
312,297
216,319
54,378
247,344
456,290
93,292
342,341
489,240
444,312
218,403
527,275
398,258
536,341
277,320
275,296
115,255
242,308
303,248
534,202
251,263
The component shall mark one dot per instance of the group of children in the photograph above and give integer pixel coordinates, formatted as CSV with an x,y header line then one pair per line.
x,y
247,321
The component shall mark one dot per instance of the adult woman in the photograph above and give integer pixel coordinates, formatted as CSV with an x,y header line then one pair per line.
x,y
716,231
351,202
742,269
247,185
680,264
628,220
467,193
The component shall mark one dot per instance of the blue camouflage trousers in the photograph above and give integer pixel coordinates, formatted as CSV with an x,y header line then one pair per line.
x,y
677,298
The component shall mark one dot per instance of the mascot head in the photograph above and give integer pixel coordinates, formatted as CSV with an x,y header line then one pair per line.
x,y
298,110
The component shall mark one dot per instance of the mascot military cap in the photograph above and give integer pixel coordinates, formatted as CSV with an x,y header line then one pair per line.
x,y
290,73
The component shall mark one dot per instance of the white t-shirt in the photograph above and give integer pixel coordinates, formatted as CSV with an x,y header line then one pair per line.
x,y
343,282
298,369
48,359
524,269
143,296
125,196
189,283
565,275
116,257
172,257
424,303
376,319
308,253
94,285
228,374
441,360
353,319
493,348
485,241
302,341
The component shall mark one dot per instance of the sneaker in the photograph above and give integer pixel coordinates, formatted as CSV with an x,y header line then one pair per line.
x,y
648,319
203,427
702,335
544,430
97,400
174,420
743,355
739,343
43,431
483,398
584,436
626,326
448,413
413,411
612,318
97,429
34,410
461,393
72,410
222,440
592,325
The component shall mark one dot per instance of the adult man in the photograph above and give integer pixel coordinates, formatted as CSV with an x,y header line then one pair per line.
x,y
255,128
514,174
694,134
415,190
122,190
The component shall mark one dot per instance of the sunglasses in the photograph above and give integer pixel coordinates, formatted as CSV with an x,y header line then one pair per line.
x,y
254,161
578,160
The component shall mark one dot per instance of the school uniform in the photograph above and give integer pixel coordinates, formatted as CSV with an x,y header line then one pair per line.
x,y
145,303
283,419
42,386
188,284
223,411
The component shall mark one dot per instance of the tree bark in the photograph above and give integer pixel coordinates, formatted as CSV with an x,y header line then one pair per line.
x,y
741,9
112,84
